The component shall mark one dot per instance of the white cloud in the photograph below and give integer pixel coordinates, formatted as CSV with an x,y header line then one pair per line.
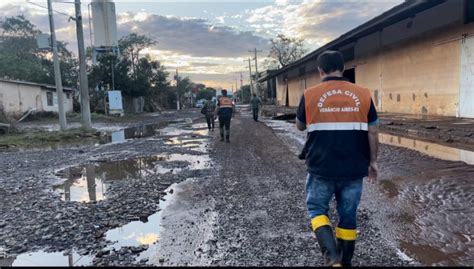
x,y
195,37
215,53
317,22
220,19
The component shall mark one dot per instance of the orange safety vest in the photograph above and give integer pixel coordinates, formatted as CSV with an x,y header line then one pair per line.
x,y
337,105
225,102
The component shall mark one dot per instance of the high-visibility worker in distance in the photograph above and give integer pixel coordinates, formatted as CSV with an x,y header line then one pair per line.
x,y
225,111
341,150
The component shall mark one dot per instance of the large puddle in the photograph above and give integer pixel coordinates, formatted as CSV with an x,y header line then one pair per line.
x,y
134,234
148,130
41,258
89,182
140,232
435,205
430,149
165,128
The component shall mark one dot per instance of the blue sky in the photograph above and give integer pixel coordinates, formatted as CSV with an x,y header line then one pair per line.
x,y
209,40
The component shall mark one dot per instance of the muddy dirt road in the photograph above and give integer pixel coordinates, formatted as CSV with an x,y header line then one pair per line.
x,y
259,204
171,193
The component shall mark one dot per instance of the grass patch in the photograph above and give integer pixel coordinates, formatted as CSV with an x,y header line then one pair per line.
x,y
38,138
94,117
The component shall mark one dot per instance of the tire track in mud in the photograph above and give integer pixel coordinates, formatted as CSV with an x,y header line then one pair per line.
x,y
259,199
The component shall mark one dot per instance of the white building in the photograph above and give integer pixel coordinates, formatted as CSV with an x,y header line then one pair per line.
x,y
17,97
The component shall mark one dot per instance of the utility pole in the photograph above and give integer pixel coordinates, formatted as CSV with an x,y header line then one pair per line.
x,y
84,84
250,73
241,88
256,68
57,71
236,86
177,90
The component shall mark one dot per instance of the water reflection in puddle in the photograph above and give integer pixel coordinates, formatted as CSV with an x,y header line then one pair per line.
x,y
430,149
164,128
138,233
135,233
133,133
41,258
190,141
90,182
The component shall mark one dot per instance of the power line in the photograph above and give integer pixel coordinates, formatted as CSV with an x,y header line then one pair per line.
x,y
59,12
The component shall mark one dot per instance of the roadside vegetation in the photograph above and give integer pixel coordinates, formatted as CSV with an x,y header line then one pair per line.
x,y
39,138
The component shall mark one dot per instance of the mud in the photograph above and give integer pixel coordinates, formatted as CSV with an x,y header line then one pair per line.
x,y
181,197
260,216
423,199
430,195
447,131
131,180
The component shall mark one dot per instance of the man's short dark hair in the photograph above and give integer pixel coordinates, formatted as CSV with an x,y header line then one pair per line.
x,y
331,61
224,92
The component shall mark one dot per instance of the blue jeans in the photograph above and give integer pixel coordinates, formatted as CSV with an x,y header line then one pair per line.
x,y
319,192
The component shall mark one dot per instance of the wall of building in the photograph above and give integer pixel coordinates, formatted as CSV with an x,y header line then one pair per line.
x,y
18,98
294,90
68,101
466,87
15,98
421,65
417,76
414,66
280,90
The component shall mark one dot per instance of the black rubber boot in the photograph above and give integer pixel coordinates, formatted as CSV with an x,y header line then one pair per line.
x,y
328,246
347,249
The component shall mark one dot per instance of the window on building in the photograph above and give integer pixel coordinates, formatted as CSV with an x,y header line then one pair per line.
x,y
49,98
68,95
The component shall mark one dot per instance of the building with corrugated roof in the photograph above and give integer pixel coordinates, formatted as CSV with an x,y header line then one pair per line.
x,y
416,58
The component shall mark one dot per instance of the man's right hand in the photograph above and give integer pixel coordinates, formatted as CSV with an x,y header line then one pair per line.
x,y
373,172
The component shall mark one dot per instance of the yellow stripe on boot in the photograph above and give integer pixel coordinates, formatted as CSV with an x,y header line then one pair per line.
x,y
346,234
319,221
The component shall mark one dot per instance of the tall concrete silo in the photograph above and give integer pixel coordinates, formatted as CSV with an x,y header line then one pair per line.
x,y
105,24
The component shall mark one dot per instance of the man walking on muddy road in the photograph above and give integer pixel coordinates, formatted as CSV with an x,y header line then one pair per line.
x,y
256,104
225,111
208,110
341,150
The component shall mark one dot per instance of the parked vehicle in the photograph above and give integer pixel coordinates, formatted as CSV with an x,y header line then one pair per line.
x,y
200,103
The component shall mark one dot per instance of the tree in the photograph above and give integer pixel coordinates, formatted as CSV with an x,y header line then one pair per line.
x,y
21,59
130,46
270,64
206,93
134,74
286,50
246,93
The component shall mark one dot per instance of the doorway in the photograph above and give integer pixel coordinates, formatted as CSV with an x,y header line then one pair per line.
x,y
350,74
